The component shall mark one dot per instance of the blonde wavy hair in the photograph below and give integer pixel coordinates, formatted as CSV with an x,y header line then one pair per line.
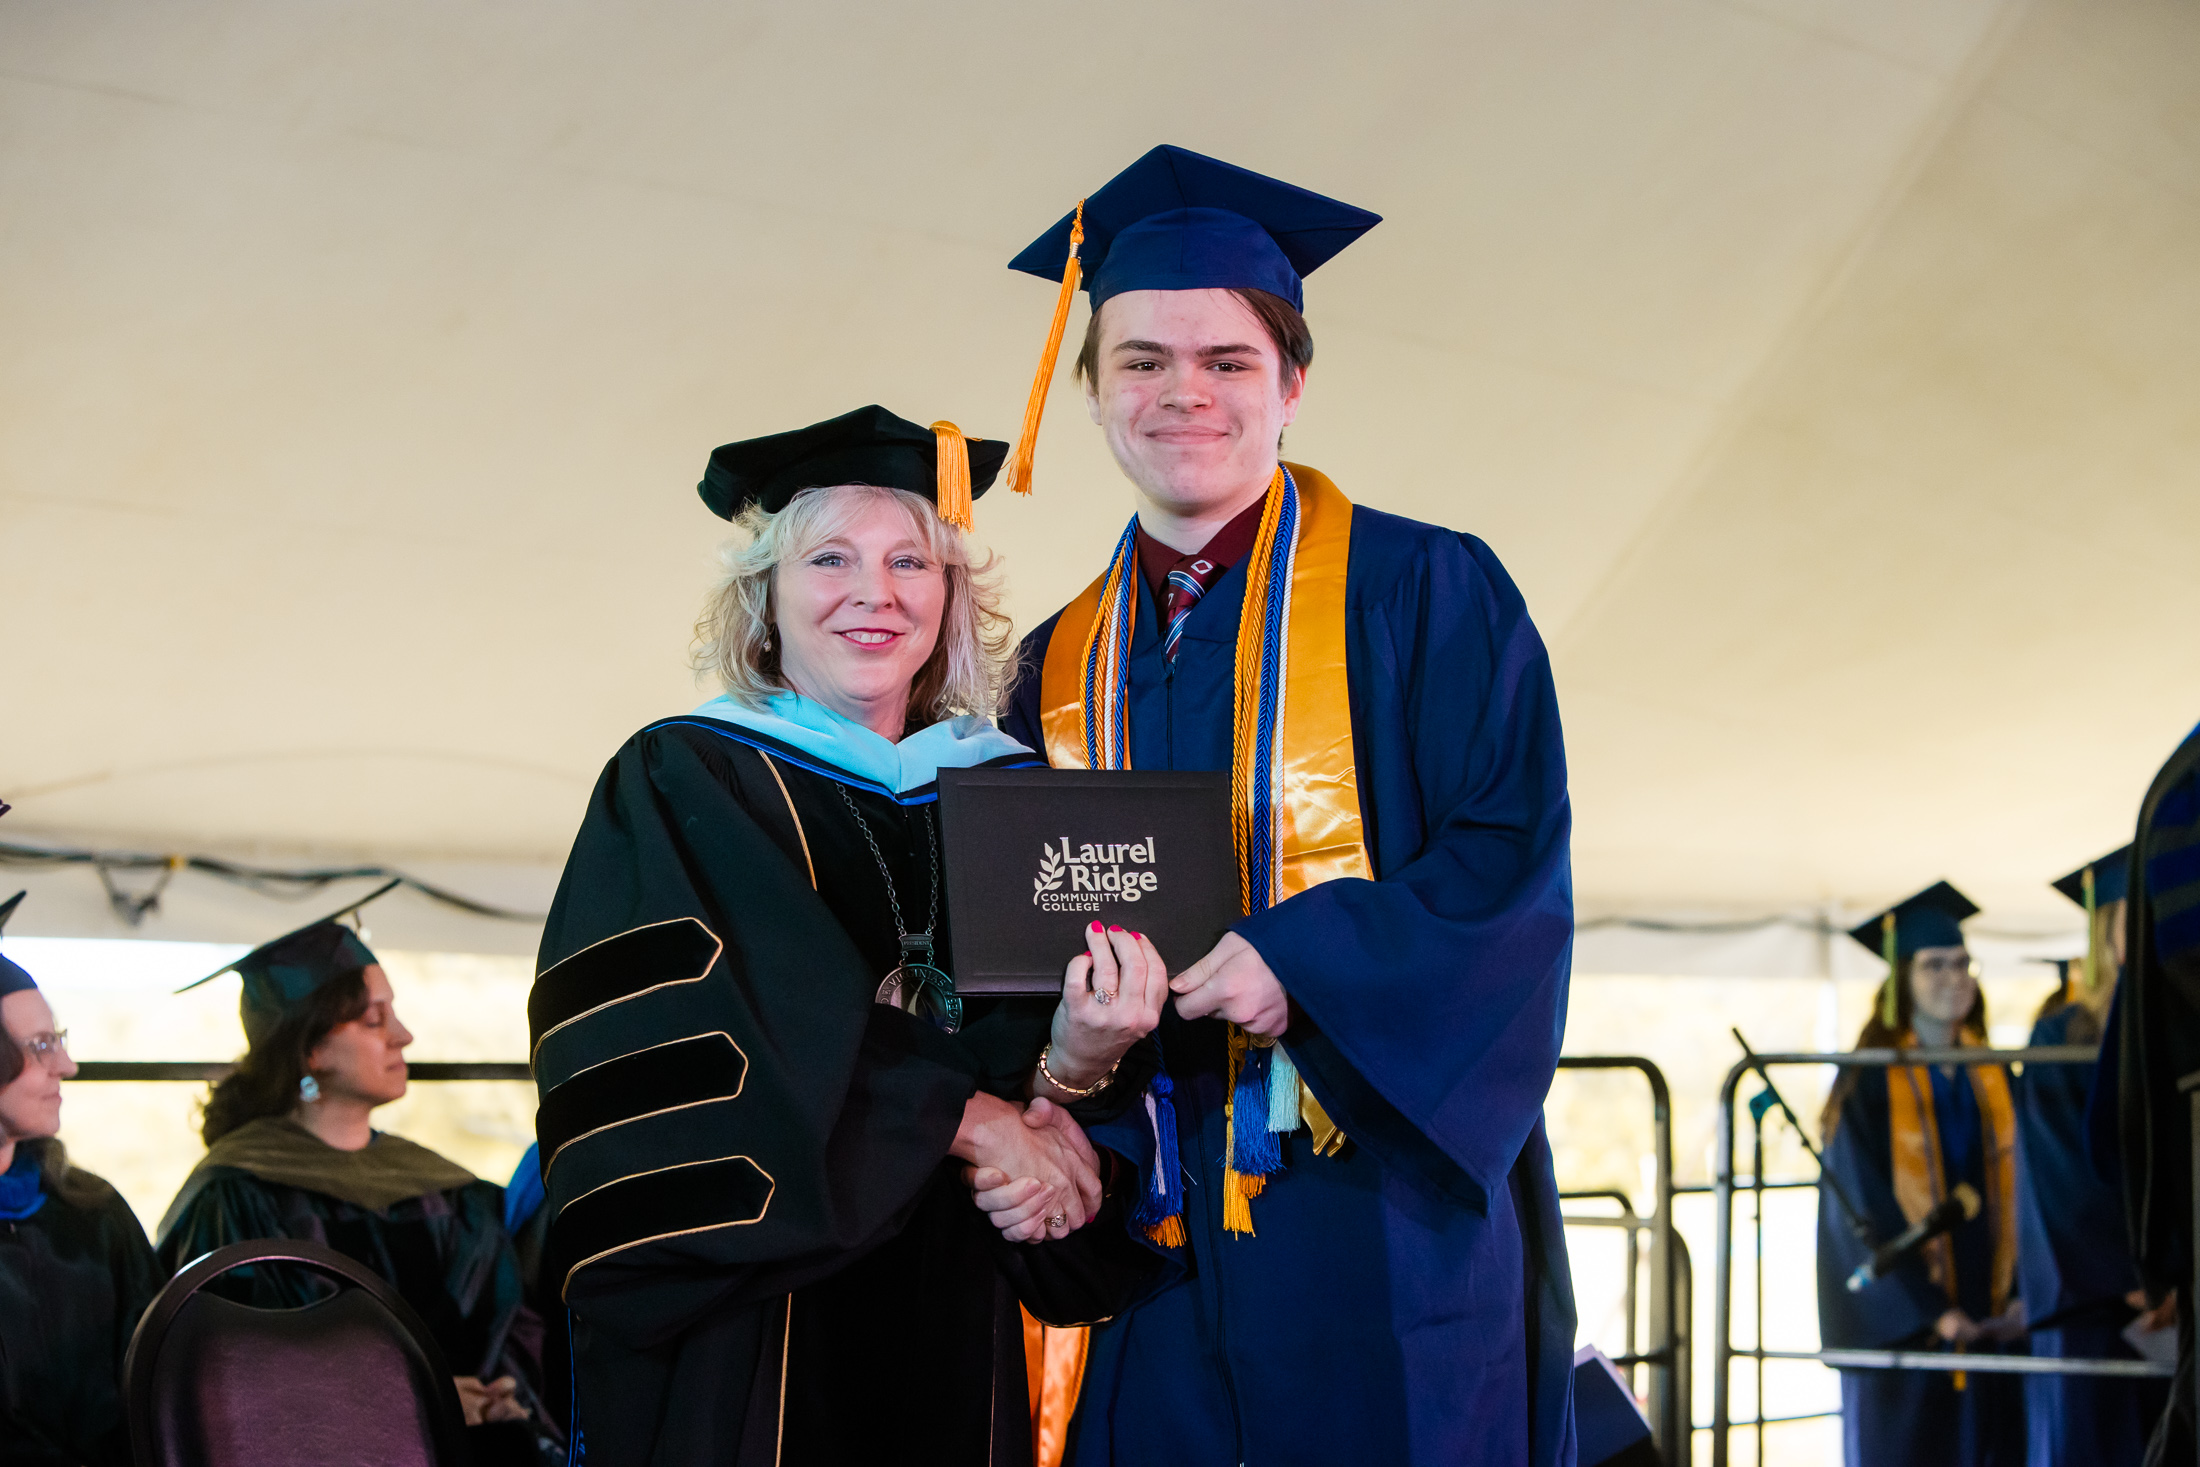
x,y
968,671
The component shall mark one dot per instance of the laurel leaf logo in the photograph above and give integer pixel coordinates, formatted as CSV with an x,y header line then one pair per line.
x,y
1049,877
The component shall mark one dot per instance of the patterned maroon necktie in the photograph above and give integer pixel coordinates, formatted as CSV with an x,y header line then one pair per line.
x,y
1189,579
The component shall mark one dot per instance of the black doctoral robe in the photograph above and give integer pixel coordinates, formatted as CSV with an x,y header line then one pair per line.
x,y
74,1277
767,1254
425,1224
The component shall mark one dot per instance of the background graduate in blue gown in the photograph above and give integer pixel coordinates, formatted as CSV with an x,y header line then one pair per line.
x,y
1898,1141
2074,1265
1405,1300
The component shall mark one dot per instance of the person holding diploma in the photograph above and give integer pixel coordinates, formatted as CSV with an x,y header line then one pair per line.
x,y
1343,1164
764,1105
1897,1143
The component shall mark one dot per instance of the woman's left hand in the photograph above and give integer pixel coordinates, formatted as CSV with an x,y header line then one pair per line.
x,y
1111,998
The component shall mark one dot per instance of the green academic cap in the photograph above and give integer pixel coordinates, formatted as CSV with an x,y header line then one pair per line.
x,y
281,975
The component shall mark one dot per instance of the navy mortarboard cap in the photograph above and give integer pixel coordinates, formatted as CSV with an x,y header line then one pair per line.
x,y
1932,918
867,446
2111,880
12,978
1179,220
280,975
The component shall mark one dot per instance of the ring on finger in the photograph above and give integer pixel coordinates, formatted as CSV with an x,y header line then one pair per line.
x,y
1058,1220
1103,995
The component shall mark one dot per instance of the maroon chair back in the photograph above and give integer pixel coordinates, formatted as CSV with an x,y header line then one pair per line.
x,y
353,1378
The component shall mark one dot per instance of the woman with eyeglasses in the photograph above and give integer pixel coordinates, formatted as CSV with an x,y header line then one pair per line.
x,y
75,1269
1900,1143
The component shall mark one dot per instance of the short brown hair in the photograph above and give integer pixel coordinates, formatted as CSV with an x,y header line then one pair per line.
x,y
1285,327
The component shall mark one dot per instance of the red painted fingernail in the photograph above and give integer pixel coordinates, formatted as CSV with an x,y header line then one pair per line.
x,y
1115,929
1096,927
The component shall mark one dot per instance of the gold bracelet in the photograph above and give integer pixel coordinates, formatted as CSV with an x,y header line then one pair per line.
x,y
1094,1088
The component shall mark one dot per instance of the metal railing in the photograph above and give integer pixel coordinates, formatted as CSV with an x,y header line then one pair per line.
x,y
1667,1354
1725,1186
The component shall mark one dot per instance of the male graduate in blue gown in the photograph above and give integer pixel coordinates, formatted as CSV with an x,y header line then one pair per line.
x,y
1362,1227
2074,1266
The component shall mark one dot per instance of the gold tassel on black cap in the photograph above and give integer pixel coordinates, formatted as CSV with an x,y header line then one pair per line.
x,y
952,476
1027,443
1890,1010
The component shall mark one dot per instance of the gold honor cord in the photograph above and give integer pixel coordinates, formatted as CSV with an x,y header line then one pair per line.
x,y
1317,833
1920,1174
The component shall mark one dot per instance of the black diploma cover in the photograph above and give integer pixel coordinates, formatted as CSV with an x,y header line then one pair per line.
x,y
1035,856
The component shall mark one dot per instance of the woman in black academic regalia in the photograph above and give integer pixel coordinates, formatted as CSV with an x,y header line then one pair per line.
x,y
764,1105
75,1269
1899,1142
292,1153
2081,1287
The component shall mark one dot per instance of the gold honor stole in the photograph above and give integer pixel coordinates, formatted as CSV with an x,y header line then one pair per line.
x,y
1921,1174
1295,800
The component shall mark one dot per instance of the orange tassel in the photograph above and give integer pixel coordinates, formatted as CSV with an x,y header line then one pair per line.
x,y
1237,1210
1027,445
1169,1232
952,476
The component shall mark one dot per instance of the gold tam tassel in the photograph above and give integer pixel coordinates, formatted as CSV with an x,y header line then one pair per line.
x,y
952,475
2092,937
1027,444
1890,1010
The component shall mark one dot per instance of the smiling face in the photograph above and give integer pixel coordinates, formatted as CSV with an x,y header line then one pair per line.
x,y
30,1104
363,1059
1193,397
858,614
1943,983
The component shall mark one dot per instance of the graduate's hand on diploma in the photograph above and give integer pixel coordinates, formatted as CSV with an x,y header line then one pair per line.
x,y
1111,998
1233,982
1032,1170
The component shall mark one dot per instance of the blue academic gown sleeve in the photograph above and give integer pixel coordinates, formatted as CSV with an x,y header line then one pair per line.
x,y
1433,1000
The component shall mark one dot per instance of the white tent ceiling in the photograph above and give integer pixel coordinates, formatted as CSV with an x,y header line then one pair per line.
x,y
1825,373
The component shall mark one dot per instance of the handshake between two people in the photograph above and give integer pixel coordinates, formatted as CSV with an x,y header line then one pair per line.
x,y
1030,1167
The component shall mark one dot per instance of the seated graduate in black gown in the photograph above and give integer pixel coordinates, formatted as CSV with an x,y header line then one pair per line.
x,y
292,1153
75,1269
1899,1141
760,1158
2080,1285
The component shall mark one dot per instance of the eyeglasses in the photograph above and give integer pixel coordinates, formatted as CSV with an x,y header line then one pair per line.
x,y
1948,967
49,1049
